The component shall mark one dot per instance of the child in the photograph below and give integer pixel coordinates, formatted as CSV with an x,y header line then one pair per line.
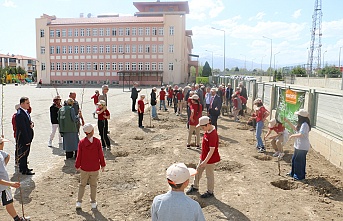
x,y
103,117
196,112
5,184
89,160
179,97
163,99
261,115
237,106
140,108
170,95
95,98
279,139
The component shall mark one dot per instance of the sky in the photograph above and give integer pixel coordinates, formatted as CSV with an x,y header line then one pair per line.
x,y
287,23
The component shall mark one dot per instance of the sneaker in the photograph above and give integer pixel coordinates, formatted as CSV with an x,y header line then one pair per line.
x,y
192,190
78,205
281,155
207,195
188,146
109,147
94,205
50,143
141,126
276,154
262,150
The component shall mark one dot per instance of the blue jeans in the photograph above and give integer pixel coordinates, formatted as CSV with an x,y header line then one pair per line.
x,y
259,127
163,102
153,111
298,171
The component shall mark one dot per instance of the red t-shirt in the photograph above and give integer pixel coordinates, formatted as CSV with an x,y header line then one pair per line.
x,y
162,95
244,101
197,114
179,96
101,116
141,106
170,93
210,139
260,113
14,126
96,98
278,129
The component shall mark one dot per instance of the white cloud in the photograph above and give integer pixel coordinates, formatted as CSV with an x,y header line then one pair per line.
x,y
204,9
332,28
9,4
259,16
297,14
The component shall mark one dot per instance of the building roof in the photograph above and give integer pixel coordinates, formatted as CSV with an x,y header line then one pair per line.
x,y
19,57
182,5
106,20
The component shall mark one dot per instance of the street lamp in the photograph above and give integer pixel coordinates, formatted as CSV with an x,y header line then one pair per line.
x,y
224,42
339,66
323,57
252,64
262,62
274,59
212,58
271,54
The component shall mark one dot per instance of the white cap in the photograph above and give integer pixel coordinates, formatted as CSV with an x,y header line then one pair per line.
x,y
3,140
302,112
195,97
87,128
102,102
203,121
178,173
272,123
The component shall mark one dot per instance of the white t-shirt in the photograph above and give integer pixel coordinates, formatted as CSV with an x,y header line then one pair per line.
x,y
303,143
3,171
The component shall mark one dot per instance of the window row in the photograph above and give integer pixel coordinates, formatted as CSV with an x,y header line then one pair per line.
x,y
120,66
95,49
147,31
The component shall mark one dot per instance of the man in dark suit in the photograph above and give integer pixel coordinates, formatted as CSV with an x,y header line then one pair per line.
x,y
215,106
134,96
24,135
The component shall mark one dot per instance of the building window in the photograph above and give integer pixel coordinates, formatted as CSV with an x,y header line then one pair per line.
x,y
147,48
114,49
127,31
64,66
127,66
153,66
134,48
95,32
101,49
108,66
64,33
76,49
108,31
140,31
160,66
88,32
82,66
76,67
82,32
52,33
140,48
70,32
127,48
95,66
171,48
42,50
147,31
134,66
52,66
95,49
64,49
154,31
120,66
120,49
89,66
171,30
160,48
154,49
88,49
114,31
101,66
161,31
76,32
70,66
58,33
101,32
120,31
108,49
147,66
140,66
134,31
58,49
42,33
58,66
52,49
114,66
171,66
82,49
70,49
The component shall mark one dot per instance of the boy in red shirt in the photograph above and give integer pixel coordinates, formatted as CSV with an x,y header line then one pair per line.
x,y
209,156
103,117
163,99
278,139
140,108
196,112
95,98
89,160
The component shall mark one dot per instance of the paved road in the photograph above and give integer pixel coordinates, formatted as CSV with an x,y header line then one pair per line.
x,y
42,158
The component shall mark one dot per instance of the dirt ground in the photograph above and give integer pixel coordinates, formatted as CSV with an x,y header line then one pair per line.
x,y
247,184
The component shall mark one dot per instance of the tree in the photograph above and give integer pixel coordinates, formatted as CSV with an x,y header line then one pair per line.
x,y
206,71
299,72
330,71
21,71
236,69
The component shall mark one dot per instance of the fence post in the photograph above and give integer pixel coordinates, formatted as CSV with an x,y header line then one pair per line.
x,y
312,105
272,100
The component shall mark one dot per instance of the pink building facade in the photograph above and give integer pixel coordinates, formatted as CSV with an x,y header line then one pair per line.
x,y
151,47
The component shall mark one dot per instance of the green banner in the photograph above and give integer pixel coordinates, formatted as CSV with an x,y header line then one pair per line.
x,y
290,101
202,80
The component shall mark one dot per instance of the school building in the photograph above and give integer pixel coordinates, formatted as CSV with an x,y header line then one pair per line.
x,y
152,47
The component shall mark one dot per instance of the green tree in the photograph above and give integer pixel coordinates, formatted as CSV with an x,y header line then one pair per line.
x,y
207,71
236,69
21,71
330,71
299,72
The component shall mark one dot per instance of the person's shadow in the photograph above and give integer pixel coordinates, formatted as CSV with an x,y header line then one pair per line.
x,y
27,185
97,215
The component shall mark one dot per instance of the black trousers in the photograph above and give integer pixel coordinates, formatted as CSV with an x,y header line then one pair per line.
x,y
134,104
23,153
71,154
140,119
214,119
103,130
